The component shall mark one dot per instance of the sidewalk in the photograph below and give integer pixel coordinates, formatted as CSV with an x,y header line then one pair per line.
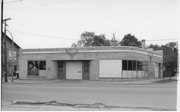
x,y
99,82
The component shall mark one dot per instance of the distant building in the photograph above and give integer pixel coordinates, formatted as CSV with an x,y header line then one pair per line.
x,y
10,64
90,63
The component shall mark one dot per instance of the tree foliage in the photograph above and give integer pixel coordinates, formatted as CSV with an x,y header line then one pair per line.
x,y
170,57
155,47
130,40
89,39
100,40
86,39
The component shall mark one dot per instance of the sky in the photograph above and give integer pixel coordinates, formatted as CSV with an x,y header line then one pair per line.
x,y
59,23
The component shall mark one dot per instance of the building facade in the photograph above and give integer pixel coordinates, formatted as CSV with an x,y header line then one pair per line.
x,y
90,63
6,62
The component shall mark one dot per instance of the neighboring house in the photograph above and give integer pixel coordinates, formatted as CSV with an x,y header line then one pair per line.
x,y
10,65
90,63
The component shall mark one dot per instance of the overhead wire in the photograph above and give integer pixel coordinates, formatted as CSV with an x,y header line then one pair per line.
x,y
13,1
163,39
58,37
44,4
40,35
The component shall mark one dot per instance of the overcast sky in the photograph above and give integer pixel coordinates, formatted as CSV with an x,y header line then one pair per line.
x,y
59,23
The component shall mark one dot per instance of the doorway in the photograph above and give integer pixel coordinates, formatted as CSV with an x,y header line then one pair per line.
x,y
61,70
74,70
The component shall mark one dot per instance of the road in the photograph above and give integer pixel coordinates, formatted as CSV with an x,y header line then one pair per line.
x,y
160,96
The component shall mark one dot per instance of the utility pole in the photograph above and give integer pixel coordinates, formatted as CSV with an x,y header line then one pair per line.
x,y
5,49
3,43
2,40
12,53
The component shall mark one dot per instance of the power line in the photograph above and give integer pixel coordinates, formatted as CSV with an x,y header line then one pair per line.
x,y
75,39
58,37
12,1
40,35
45,4
163,39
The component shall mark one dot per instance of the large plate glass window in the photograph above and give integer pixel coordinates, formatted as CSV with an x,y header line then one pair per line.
x,y
132,65
35,66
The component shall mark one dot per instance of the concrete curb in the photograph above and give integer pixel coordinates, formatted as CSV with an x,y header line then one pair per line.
x,y
88,82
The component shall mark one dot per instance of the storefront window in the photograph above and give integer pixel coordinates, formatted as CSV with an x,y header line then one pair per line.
x,y
42,65
35,66
134,66
131,65
124,65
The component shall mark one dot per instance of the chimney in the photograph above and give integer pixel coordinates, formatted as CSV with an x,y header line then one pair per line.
x,y
143,43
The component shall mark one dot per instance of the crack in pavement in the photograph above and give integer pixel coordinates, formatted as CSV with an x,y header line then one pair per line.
x,y
95,105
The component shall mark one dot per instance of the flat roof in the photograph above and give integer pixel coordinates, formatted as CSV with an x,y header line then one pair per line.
x,y
93,49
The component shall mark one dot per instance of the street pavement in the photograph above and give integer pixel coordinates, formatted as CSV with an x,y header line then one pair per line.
x,y
126,95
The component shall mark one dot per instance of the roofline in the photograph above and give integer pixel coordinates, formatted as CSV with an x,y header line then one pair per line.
x,y
11,41
83,47
90,49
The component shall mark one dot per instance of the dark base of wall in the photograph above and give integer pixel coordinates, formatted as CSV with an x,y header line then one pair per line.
x,y
36,78
121,79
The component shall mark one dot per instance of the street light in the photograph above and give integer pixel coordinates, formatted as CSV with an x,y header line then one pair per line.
x,y
6,19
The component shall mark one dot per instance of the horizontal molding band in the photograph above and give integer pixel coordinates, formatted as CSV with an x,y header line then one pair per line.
x,y
90,51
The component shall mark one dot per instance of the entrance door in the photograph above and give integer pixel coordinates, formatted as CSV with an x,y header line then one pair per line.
x,y
156,69
85,69
73,70
61,70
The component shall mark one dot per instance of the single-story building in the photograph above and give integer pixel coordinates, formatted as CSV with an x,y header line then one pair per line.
x,y
90,63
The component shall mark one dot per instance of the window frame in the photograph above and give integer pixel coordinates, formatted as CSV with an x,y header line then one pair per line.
x,y
132,65
36,67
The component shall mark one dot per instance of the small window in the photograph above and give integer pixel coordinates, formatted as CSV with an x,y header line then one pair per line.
x,y
42,65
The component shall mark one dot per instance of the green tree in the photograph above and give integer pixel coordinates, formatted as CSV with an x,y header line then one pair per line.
x,y
89,39
172,45
171,58
74,45
170,61
155,47
100,40
130,40
86,39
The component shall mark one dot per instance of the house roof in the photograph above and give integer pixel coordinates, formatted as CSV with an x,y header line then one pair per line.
x,y
9,39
